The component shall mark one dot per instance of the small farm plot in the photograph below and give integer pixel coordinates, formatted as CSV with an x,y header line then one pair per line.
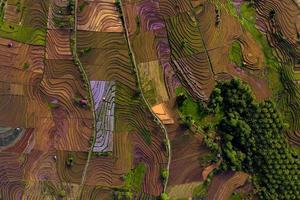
x,y
184,35
58,45
175,7
35,13
104,100
105,57
153,82
100,16
61,14
24,21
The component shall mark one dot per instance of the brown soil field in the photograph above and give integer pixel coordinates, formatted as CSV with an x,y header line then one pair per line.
x,y
101,172
61,69
69,134
100,16
185,165
145,22
36,13
154,159
71,174
12,190
131,14
58,45
146,137
14,172
143,46
40,165
224,184
107,57
196,74
162,112
13,58
57,11
64,92
15,111
49,190
212,34
96,193
122,153
148,17
112,168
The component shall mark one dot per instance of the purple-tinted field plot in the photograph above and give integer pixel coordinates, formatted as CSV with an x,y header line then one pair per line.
x,y
104,100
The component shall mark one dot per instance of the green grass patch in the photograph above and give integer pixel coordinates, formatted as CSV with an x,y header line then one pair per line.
x,y
134,179
195,113
28,35
236,196
200,191
235,54
206,159
190,107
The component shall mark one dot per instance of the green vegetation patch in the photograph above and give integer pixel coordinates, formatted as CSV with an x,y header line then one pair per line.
x,y
195,115
25,66
134,179
187,105
200,191
236,196
28,35
235,54
252,140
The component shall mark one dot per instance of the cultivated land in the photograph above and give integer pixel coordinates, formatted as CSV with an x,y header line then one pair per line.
x,y
147,99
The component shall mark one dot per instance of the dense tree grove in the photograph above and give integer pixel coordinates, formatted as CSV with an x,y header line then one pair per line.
x,y
252,140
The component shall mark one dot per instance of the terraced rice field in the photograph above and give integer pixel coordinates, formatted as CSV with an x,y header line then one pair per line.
x,y
284,27
224,184
84,103
104,100
59,15
36,13
153,82
58,45
99,16
105,57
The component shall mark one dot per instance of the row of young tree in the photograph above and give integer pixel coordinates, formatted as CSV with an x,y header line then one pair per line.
x,y
252,140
